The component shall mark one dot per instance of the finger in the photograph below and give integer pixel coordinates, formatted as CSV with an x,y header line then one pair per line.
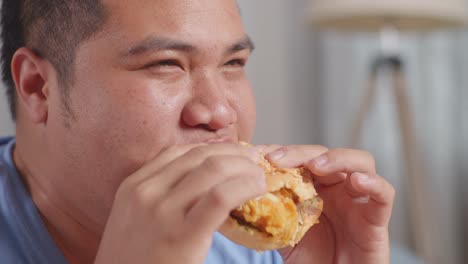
x,y
266,149
380,192
330,180
342,160
210,173
210,212
161,182
295,156
164,158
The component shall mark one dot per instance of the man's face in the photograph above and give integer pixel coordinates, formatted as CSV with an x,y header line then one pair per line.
x,y
162,72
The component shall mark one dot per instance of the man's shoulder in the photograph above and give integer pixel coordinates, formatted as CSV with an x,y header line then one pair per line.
x,y
9,249
5,148
5,162
9,241
5,140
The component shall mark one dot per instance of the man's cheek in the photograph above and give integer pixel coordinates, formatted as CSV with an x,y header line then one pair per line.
x,y
247,119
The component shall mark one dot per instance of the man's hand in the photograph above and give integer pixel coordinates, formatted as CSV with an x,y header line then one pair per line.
x,y
168,211
357,206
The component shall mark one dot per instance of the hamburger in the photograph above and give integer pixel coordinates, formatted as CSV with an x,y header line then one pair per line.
x,y
279,218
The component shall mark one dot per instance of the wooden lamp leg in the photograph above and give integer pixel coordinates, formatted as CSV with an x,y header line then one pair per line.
x,y
365,108
419,210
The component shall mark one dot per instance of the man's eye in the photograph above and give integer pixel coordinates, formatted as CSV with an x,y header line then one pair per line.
x,y
236,62
168,63
164,63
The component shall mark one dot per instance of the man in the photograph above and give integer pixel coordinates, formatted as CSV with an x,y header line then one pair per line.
x,y
127,117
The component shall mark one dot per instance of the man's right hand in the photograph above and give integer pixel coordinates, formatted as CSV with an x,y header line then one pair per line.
x,y
168,211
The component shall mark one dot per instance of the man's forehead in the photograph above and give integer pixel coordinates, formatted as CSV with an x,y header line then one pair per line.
x,y
165,5
155,43
145,24
172,13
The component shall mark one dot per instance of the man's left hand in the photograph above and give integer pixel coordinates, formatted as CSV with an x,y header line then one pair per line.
x,y
358,203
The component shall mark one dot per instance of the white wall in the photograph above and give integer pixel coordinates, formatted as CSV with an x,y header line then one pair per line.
x,y
6,125
282,73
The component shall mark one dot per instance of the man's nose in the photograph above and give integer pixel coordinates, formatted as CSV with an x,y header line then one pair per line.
x,y
209,105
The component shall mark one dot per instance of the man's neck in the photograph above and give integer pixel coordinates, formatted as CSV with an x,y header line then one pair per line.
x,y
76,241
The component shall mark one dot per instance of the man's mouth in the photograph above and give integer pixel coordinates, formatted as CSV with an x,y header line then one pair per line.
x,y
219,140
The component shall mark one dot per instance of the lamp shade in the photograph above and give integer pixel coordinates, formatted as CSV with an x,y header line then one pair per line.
x,y
370,15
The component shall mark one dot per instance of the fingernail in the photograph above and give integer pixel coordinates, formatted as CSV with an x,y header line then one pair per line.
x,y
277,155
255,154
260,147
321,161
363,178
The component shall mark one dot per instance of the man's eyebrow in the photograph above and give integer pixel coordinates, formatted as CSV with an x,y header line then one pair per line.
x,y
158,43
161,43
243,44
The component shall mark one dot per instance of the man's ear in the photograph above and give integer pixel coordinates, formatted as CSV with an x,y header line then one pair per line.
x,y
30,73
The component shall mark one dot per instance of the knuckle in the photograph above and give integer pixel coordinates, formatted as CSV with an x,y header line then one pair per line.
x,y
370,158
387,187
171,149
142,195
198,152
218,198
368,155
161,210
288,148
267,148
215,165
275,146
332,154
321,148
338,151
126,187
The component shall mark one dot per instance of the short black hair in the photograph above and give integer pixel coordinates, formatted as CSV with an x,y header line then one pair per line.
x,y
52,29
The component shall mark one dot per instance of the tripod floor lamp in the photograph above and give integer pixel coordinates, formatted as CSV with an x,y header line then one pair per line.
x,y
389,18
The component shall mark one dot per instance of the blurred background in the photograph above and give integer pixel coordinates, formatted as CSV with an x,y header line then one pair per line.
x,y
310,85
6,125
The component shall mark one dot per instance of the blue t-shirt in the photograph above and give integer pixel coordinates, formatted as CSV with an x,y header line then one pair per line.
x,y
25,239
